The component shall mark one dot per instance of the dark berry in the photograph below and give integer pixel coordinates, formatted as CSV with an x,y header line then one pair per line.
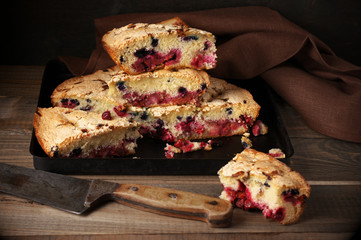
x,y
203,86
69,103
106,115
155,42
294,192
291,192
74,101
182,90
179,118
120,85
189,119
207,45
266,184
188,38
141,53
76,152
144,115
121,59
88,100
159,123
245,144
229,111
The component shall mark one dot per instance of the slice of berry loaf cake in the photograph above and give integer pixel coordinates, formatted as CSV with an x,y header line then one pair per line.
x,y
255,180
144,47
88,92
63,132
161,87
225,110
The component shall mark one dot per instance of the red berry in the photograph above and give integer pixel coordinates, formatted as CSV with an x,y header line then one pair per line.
x,y
106,115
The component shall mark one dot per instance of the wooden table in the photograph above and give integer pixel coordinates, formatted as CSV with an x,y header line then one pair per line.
x,y
332,167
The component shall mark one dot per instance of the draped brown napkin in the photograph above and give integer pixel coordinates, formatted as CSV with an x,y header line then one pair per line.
x,y
257,41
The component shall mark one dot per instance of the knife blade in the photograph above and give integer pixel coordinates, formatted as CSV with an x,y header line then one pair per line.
x,y
80,195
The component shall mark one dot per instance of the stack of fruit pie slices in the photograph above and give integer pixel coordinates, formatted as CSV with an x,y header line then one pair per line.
x,y
159,86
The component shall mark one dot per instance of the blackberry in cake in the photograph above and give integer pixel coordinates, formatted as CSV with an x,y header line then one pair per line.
x,y
63,132
256,180
225,110
88,93
144,47
160,88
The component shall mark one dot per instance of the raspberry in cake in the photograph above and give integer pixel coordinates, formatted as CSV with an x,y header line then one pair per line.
x,y
88,93
259,128
144,47
63,132
256,180
225,110
160,88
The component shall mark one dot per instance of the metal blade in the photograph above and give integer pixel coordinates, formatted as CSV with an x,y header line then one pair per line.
x,y
67,193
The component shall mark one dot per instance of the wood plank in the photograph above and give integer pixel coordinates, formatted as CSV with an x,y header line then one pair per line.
x,y
326,159
325,212
197,236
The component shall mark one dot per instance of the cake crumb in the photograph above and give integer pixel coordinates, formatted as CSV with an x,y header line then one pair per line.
x,y
276,153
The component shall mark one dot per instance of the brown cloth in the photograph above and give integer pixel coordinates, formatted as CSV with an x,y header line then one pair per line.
x,y
257,41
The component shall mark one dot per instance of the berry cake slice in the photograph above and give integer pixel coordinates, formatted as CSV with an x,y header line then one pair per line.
x,y
161,87
255,180
88,92
144,47
63,132
225,110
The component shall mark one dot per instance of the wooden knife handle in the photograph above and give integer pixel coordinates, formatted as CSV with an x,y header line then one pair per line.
x,y
216,212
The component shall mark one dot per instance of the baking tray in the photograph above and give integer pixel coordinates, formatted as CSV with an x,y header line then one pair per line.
x,y
150,155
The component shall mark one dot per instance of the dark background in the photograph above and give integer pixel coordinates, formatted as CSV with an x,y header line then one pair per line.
x,y
33,32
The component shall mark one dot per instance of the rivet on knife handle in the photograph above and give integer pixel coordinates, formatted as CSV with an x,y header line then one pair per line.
x,y
216,212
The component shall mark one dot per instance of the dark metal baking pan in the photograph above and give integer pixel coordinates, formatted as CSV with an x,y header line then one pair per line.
x,y
150,156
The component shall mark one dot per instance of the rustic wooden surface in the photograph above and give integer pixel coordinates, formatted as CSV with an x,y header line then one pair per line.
x,y
332,167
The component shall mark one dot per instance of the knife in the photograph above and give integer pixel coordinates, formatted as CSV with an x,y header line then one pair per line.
x,y
79,195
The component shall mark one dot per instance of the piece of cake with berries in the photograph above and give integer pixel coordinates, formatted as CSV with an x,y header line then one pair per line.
x,y
144,47
63,132
88,92
160,88
256,180
225,110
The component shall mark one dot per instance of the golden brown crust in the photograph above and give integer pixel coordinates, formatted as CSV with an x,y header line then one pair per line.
x,y
254,163
60,129
92,86
121,44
